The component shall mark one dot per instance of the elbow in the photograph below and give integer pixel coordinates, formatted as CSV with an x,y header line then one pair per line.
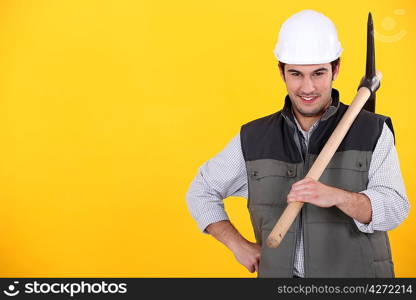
x,y
399,213
403,213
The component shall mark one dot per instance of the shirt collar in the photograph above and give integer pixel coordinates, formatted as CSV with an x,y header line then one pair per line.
x,y
305,132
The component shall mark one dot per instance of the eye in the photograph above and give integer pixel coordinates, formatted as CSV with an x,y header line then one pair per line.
x,y
295,74
318,73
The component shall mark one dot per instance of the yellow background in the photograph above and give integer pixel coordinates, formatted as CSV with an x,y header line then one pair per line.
x,y
108,108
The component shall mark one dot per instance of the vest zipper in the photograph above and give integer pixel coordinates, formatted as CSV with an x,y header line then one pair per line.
x,y
302,221
303,212
306,159
298,223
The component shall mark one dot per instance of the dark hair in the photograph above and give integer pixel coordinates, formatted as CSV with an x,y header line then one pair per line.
x,y
333,63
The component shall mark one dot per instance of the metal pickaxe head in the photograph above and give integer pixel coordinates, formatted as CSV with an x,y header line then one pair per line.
x,y
370,80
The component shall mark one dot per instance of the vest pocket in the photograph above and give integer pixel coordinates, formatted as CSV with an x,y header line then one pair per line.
x,y
270,181
337,250
348,170
277,262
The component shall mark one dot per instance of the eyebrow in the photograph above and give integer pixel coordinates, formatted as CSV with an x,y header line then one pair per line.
x,y
314,71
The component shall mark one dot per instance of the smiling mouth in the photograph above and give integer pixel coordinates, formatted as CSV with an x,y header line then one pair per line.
x,y
308,99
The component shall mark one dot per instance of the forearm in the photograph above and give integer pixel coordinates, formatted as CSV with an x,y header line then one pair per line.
x,y
226,233
308,190
355,205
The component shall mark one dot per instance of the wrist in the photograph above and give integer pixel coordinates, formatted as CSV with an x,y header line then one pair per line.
x,y
341,197
226,233
236,243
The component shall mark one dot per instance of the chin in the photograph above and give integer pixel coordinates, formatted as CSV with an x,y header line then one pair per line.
x,y
313,113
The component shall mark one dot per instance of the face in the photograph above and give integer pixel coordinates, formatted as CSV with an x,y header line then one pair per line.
x,y
309,87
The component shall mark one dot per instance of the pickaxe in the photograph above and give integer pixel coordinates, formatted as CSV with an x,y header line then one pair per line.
x,y
366,91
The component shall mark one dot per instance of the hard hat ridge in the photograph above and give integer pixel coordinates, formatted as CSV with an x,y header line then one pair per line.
x,y
308,37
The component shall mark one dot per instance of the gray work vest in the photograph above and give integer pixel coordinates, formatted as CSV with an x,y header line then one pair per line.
x,y
333,245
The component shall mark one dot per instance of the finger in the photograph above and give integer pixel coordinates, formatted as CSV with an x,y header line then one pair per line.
x,y
251,268
306,199
302,192
304,186
300,198
292,199
305,192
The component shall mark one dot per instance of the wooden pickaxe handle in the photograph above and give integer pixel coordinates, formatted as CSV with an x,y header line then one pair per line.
x,y
315,172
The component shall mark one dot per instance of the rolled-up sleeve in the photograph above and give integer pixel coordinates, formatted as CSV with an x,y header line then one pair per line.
x,y
385,189
220,177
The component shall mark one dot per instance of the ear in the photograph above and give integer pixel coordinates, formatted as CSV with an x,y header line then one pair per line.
x,y
336,71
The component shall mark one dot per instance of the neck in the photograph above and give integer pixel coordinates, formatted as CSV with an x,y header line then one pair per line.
x,y
305,122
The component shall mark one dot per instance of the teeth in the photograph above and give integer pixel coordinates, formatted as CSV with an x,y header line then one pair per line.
x,y
308,98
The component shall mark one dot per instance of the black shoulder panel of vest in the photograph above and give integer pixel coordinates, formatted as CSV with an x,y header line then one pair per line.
x,y
363,134
273,137
269,137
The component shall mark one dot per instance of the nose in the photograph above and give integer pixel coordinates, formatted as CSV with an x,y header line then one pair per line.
x,y
307,85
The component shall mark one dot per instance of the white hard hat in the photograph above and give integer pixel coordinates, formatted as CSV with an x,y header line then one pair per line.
x,y
307,37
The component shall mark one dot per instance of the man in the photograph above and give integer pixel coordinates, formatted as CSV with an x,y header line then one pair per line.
x,y
341,229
